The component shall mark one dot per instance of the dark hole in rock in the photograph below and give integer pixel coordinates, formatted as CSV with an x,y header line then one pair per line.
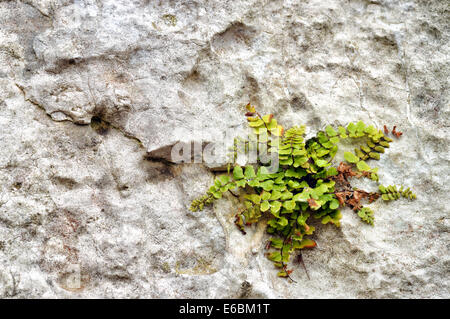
x,y
18,185
99,125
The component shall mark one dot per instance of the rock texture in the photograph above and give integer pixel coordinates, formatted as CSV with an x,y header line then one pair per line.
x,y
93,94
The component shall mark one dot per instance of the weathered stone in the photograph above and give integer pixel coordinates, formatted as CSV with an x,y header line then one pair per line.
x,y
94,94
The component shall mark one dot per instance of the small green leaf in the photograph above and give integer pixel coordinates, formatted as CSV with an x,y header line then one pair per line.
x,y
290,172
342,132
297,173
379,149
217,194
267,118
253,183
275,195
371,130
276,242
286,195
237,173
303,196
334,140
260,130
224,179
299,161
267,185
286,253
333,218
322,152
360,154
350,157
263,173
256,123
334,204
249,172
241,183
366,149
282,221
362,166
254,198
328,144
293,184
351,128
330,131
300,152
360,126
374,155
275,207
272,125
289,205
332,171
265,195
265,206
287,151
322,163
275,256
302,218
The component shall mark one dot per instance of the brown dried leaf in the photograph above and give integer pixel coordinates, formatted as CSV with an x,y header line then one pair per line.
x,y
354,203
373,197
341,196
359,194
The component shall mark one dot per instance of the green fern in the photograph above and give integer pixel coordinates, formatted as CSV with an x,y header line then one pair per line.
x,y
366,214
391,193
305,185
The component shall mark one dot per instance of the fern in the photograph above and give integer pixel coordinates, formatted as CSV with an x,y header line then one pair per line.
x,y
306,184
366,215
391,193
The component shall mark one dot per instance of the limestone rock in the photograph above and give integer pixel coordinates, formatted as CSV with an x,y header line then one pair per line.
x,y
94,94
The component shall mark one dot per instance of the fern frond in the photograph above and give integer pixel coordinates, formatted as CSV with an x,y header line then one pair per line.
x,y
305,185
366,214
391,193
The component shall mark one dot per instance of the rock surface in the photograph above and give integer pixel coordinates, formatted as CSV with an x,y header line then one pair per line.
x,y
93,94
